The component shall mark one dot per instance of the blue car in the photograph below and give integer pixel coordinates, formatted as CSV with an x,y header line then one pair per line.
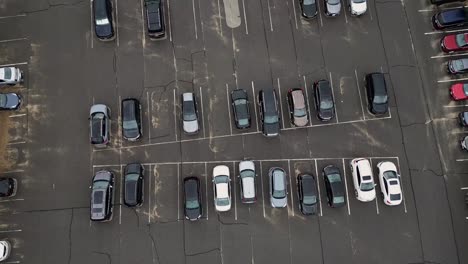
x,y
450,18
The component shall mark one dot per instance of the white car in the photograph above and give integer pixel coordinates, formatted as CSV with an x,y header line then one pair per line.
x,y
10,76
389,183
247,177
222,188
5,249
364,186
357,7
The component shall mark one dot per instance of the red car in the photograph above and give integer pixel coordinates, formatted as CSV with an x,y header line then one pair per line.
x,y
459,91
455,42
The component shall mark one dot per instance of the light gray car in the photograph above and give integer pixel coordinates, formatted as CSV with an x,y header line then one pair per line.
x,y
10,76
278,187
332,7
189,113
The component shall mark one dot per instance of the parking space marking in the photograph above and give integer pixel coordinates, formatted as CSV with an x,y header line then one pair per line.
x,y
445,31
359,91
202,117
290,187
245,18
17,261
269,14
12,40
17,115
91,35
235,191
175,116
346,187
255,104
143,33
20,15
16,143
117,22
344,11
333,94
11,200
464,188
169,22
370,13
149,193
320,15
178,192
220,22
461,160
449,55
261,183
14,64
318,188
149,114
194,19
10,231
375,182
294,10
402,192
307,95
452,80
119,130
228,106
454,106
281,100
206,191
439,9
12,171
120,204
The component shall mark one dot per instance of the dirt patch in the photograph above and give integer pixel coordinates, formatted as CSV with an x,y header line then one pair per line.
x,y
5,162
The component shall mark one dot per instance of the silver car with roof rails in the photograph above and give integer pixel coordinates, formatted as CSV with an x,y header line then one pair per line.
x,y
278,187
102,196
247,177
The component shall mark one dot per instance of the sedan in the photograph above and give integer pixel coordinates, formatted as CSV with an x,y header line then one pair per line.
x,y
10,101
278,187
297,107
309,8
8,187
131,119
357,7
459,91
247,181
99,124
192,199
222,188
464,143
363,179
332,7
10,76
307,192
133,193
454,42
240,107
5,249
334,186
102,196
450,18
389,183
463,118
189,113
324,102
458,66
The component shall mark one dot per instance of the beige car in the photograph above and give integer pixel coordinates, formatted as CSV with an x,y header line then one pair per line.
x,y
297,107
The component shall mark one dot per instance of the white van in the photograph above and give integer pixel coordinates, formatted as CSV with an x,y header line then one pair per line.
x,y
247,182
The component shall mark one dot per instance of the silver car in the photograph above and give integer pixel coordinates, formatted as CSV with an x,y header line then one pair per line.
x,y
332,7
189,113
247,177
10,76
278,187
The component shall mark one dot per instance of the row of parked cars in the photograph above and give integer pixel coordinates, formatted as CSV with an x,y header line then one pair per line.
x,y
363,181
332,7
267,104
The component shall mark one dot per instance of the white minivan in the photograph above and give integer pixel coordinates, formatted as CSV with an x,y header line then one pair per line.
x,y
247,181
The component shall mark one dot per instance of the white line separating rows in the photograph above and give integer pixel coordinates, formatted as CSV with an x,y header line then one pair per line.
x,y
318,187
280,101
14,64
12,40
229,107
449,55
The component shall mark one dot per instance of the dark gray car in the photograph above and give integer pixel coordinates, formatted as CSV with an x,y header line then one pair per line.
x,y
324,101
131,119
102,195
133,191
309,8
269,114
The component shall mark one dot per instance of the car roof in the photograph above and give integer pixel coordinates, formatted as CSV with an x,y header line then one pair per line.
x,y
298,98
131,191
222,190
129,108
248,184
324,88
269,100
364,167
100,8
278,179
378,80
395,188
308,184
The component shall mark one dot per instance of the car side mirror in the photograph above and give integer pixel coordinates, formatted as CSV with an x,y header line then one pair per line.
x,y
375,184
89,187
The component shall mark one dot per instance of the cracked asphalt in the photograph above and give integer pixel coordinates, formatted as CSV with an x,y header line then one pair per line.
x,y
67,70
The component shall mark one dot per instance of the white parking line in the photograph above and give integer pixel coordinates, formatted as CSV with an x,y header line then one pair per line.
x,y
206,191
220,22
11,200
11,262
12,171
290,187
340,123
120,195
370,13
149,115
117,22
175,115
235,191
14,64
91,35
169,22
402,192
294,10
375,182
455,106
229,107
119,131
464,188
333,94
318,188
20,15
149,193
320,15
439,9
255,104
178,192
245,18
359,91
18,115
449,55
261,184
452,80
344,11
461,160
269,14
194,19
143,31
11,231
202,116
12,40
346,187
16,143
280,101
445,31
307,95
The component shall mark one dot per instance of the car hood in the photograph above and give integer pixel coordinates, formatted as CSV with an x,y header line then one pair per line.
x,y
275,202
191,126
334,9
193,214
366,196
271,130
359,8
309,209
301,121
310,10
13,100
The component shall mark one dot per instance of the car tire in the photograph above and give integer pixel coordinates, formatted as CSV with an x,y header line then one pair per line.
x,y
355,193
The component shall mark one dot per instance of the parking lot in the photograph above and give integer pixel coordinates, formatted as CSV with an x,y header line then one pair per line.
x,y
210,52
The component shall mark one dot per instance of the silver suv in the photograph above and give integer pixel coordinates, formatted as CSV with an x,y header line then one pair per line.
x,y
102,195
278,187
99,124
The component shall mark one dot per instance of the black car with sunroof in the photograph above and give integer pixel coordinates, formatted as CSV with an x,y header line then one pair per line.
x,y
240,107
103,22
155,19
334,186
131,119
377,95
269,112
324,101
307,192
102,196
133,184
192,198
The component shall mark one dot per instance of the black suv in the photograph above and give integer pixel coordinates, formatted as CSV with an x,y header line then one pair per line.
x,y
8,187
103,24
155,19
102,196
240,107
450,18
131,119
133,192
269,114
377,96
324,102
334,186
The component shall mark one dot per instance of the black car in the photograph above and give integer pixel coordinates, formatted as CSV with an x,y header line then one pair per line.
x,y
103,23
377,96
463,118
450,18
457,66
10,101
131,119
8,187
334,186
155,18
102,196
307,191
192,198
441,2
309,8
269,113
240,107
324,101
133,185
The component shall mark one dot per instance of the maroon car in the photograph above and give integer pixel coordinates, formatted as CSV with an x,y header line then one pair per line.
x,y
454,42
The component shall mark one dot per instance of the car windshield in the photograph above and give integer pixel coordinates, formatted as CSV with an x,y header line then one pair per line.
x,y
334,178
192,204
279,194
309,2
7,72
395,197
461,41
465,89
339,199
189,111
326,105
310,200
102,21
458,64
132,177
380,99
240,102
367,186
271,119
3,100
222,201
100,184
247,173
333,2
359,1
300,112
390,175
243,121
131,124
